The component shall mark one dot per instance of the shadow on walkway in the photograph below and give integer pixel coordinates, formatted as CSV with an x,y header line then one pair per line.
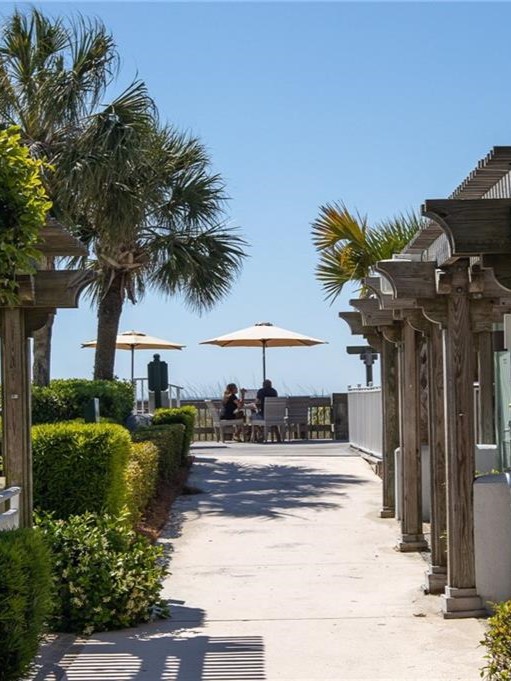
x,y
167,650
270,491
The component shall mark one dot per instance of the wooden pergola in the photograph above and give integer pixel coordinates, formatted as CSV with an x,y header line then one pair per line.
x,y
41,294
445,293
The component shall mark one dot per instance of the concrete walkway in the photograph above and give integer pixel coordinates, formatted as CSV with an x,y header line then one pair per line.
x,y
282,569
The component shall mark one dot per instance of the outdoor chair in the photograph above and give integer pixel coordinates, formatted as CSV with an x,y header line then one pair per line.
x,y
297,419
218,423
274,417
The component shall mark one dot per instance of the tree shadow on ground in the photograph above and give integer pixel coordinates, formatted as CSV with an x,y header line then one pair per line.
x,y
168,650
270,491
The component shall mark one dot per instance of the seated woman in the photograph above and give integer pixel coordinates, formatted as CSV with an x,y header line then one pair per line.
x,y
231,404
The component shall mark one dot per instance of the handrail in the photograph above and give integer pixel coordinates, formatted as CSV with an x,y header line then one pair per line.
x,y
141,394
9,519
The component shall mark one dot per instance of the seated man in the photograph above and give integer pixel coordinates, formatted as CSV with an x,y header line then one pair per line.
x,y
266,391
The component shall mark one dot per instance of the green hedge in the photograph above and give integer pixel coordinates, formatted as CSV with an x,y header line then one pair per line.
x,y
25,599
106,576
141,477
80,467
65,399
169,440
184,415
497,641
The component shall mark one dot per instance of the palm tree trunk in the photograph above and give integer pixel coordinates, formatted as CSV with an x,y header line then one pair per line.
x,y
109,315
42,353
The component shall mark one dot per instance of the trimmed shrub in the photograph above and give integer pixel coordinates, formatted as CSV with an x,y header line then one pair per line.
x,y
25,599
80,467
184,415
106,576
65,399
497,641
169,440
141,477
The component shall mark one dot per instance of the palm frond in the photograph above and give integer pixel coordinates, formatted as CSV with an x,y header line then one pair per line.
x,y
334,224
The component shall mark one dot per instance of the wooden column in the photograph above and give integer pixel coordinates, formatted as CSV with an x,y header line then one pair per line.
x,y
16,416
412,537
436,576
460,599
390,413
486,392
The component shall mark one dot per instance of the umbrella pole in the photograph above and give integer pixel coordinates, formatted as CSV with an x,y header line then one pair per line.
x,y
264,360
133,384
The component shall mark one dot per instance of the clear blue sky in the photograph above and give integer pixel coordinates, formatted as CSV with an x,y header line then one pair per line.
x,y
381,105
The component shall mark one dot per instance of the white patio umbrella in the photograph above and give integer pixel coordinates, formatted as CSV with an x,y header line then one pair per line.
x,y
136,340
264,335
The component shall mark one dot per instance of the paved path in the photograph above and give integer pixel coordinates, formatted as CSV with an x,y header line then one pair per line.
x,y
281,569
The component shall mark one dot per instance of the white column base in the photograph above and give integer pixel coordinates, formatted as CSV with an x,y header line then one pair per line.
x,y
459,603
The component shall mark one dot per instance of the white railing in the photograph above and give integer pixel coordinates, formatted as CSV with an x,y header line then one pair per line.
x,y
143,399
365,419
9,518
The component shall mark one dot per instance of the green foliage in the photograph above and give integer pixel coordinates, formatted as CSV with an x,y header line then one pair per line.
x,y
80,467
348,248
23,208
25,599
497,641
106,576
141,477
65,399
186,416
169,440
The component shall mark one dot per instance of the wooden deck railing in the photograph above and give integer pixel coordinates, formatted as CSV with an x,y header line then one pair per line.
x,y
319,420
9,505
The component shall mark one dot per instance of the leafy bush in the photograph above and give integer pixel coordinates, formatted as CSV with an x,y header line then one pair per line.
x,y
106,576
23,208
25,600
184,415
498,644
65,399
169,440
141,477
80,467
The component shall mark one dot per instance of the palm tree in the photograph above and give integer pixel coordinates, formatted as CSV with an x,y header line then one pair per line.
x,y
349,249
151,211
52,74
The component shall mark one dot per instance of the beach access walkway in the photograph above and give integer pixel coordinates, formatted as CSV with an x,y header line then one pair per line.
x,y
282,569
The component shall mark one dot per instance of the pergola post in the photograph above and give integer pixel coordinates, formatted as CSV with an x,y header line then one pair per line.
x,y
412,537
16,412
460,598
436,575
390,414
486,425
39,295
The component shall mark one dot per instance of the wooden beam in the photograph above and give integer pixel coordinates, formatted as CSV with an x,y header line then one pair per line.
x,y
354,321
16,415
371,313
409,278
54,240
60,288
36,318
473,226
